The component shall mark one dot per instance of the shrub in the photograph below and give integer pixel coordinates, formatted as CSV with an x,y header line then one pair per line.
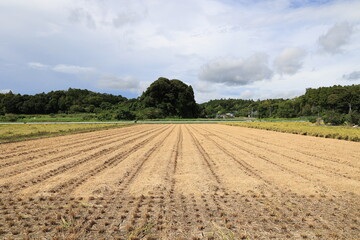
x,y
353,118
11,117
104,116
123,114
312,119
87,117
150,113
333,118
76,109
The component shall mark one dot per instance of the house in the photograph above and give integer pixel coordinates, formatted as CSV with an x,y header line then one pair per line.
x,y
226,115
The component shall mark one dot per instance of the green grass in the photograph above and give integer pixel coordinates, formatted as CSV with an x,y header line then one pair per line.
x,y
19,132
280,119
61,117
306,128
48,118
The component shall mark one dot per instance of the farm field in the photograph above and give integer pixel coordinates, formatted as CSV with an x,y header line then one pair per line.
x,y
306,128
16,132
180,181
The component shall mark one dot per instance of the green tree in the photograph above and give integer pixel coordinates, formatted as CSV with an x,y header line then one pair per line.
x,y
124,114
172,97
333,118
286,109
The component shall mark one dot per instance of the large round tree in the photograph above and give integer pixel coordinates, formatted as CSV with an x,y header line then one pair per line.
x,y
172,97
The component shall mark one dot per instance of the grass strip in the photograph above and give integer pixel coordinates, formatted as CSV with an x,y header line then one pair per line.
x,y
22,132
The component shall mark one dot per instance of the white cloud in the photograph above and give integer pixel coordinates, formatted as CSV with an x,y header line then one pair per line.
x,y
144,39
233,71
336,37
204,87
269,94
5,90
289,61
37,65
247,94
119,83
62,68
80,15
125,18
72,69
352,76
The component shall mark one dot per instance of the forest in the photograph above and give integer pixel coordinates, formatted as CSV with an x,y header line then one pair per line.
x,y
166,98
335,105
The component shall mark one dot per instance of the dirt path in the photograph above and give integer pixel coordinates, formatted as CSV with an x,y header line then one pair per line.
x,y
181,181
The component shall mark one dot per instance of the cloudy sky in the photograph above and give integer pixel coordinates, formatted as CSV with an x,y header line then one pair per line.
x,y
223,48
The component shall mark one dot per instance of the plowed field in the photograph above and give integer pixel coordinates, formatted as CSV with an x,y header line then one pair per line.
x,y
200,181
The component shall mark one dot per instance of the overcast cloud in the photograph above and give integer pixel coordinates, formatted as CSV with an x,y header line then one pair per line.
x,y
62,68
289,61
254,49
119,83
352,76
233,71
336,37
37,65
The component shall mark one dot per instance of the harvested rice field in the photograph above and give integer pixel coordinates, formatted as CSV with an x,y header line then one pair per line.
x,y
180,181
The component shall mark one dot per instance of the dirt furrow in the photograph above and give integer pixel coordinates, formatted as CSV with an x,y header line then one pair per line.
x,y
69,185
177,155
333,169
54,148
69,165
322,181
247,168
35,163
131,219
179,181
259,159
205,157
129,178
155,175
313,145
304,151
38,145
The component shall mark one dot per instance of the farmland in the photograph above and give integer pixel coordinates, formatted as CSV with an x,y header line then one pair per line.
x,y
306,128
180,181
16,132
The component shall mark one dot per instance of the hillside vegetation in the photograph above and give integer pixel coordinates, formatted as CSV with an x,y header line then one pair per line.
x,y
166,98
335,105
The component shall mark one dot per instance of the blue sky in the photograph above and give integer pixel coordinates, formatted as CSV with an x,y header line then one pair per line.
x,y
225,48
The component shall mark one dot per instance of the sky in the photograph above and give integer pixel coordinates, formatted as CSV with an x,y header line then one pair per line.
x,y
222,48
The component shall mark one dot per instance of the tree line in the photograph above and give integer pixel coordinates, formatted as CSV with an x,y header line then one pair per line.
x,y
166,98
70,101
163,98
336,105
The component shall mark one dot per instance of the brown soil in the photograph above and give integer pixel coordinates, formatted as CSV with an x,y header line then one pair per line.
x,y
202,181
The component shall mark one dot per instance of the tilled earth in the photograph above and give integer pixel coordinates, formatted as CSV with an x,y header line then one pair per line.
x,y
195,181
